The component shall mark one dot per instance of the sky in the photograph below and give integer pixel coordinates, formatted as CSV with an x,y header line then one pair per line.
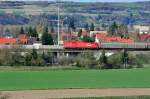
x,y
84,0
106,0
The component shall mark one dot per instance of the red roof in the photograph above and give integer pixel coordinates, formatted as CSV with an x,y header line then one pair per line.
x,y
143,36
119,39
23,38
84,33
106,38
131,33
7,40
101,36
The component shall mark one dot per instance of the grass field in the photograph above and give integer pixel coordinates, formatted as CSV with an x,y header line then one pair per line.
x,y
53,79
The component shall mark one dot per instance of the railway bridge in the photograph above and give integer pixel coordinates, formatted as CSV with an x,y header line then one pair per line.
x,y
102,46
61,50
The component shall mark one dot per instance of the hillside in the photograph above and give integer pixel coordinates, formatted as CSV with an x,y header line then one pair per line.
x,y
14,12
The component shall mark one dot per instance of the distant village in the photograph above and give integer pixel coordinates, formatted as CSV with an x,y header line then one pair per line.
x,y
29,36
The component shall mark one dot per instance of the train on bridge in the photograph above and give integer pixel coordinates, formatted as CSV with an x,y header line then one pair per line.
x,y
101,41
80,45
76,44
105,41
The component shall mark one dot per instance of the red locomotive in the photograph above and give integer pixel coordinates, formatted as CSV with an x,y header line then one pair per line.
x,y
79,44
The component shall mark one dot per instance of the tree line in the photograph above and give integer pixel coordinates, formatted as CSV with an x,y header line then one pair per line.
x,y
119,60
21,57
17,56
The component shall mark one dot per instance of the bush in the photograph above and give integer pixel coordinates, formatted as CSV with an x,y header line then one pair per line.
x,y
6,57
18,57
115,60
86,59
67,60
133,61
47,57
28,58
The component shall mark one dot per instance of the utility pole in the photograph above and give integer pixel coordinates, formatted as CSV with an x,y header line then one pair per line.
x,y
58,28
58,23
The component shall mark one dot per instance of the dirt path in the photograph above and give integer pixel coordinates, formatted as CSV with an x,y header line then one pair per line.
x,y
66,93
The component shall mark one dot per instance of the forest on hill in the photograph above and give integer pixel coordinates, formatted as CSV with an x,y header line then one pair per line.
x,y
43,12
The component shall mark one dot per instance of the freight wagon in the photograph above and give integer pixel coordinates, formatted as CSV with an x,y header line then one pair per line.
x,y
125,45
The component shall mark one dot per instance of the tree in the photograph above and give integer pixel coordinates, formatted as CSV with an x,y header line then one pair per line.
x,y
113,29
86,59
92,27
48,57
7,30
17,59
131,19
32,32
115,60
125,58
122,59
35,34
80,33
40,62
103,58
34,54
21,30
47,38
122,30
52,28
28,59
72,25
5,57
34,58
39,28
88,39
103,26
86,27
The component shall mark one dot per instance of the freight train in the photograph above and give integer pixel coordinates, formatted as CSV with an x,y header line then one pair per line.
x,y
76,44
102,40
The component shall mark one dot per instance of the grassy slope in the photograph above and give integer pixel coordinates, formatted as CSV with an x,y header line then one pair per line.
x,y
20,80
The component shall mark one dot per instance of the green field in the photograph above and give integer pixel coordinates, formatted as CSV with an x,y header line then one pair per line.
x,y
53,79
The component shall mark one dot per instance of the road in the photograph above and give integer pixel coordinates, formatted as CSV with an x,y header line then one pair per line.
x,y
67,93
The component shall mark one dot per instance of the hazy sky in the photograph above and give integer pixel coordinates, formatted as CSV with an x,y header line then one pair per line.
x,y
84,0
106,0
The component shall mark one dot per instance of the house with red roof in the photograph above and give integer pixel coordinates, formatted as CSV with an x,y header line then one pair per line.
x,y
22,38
